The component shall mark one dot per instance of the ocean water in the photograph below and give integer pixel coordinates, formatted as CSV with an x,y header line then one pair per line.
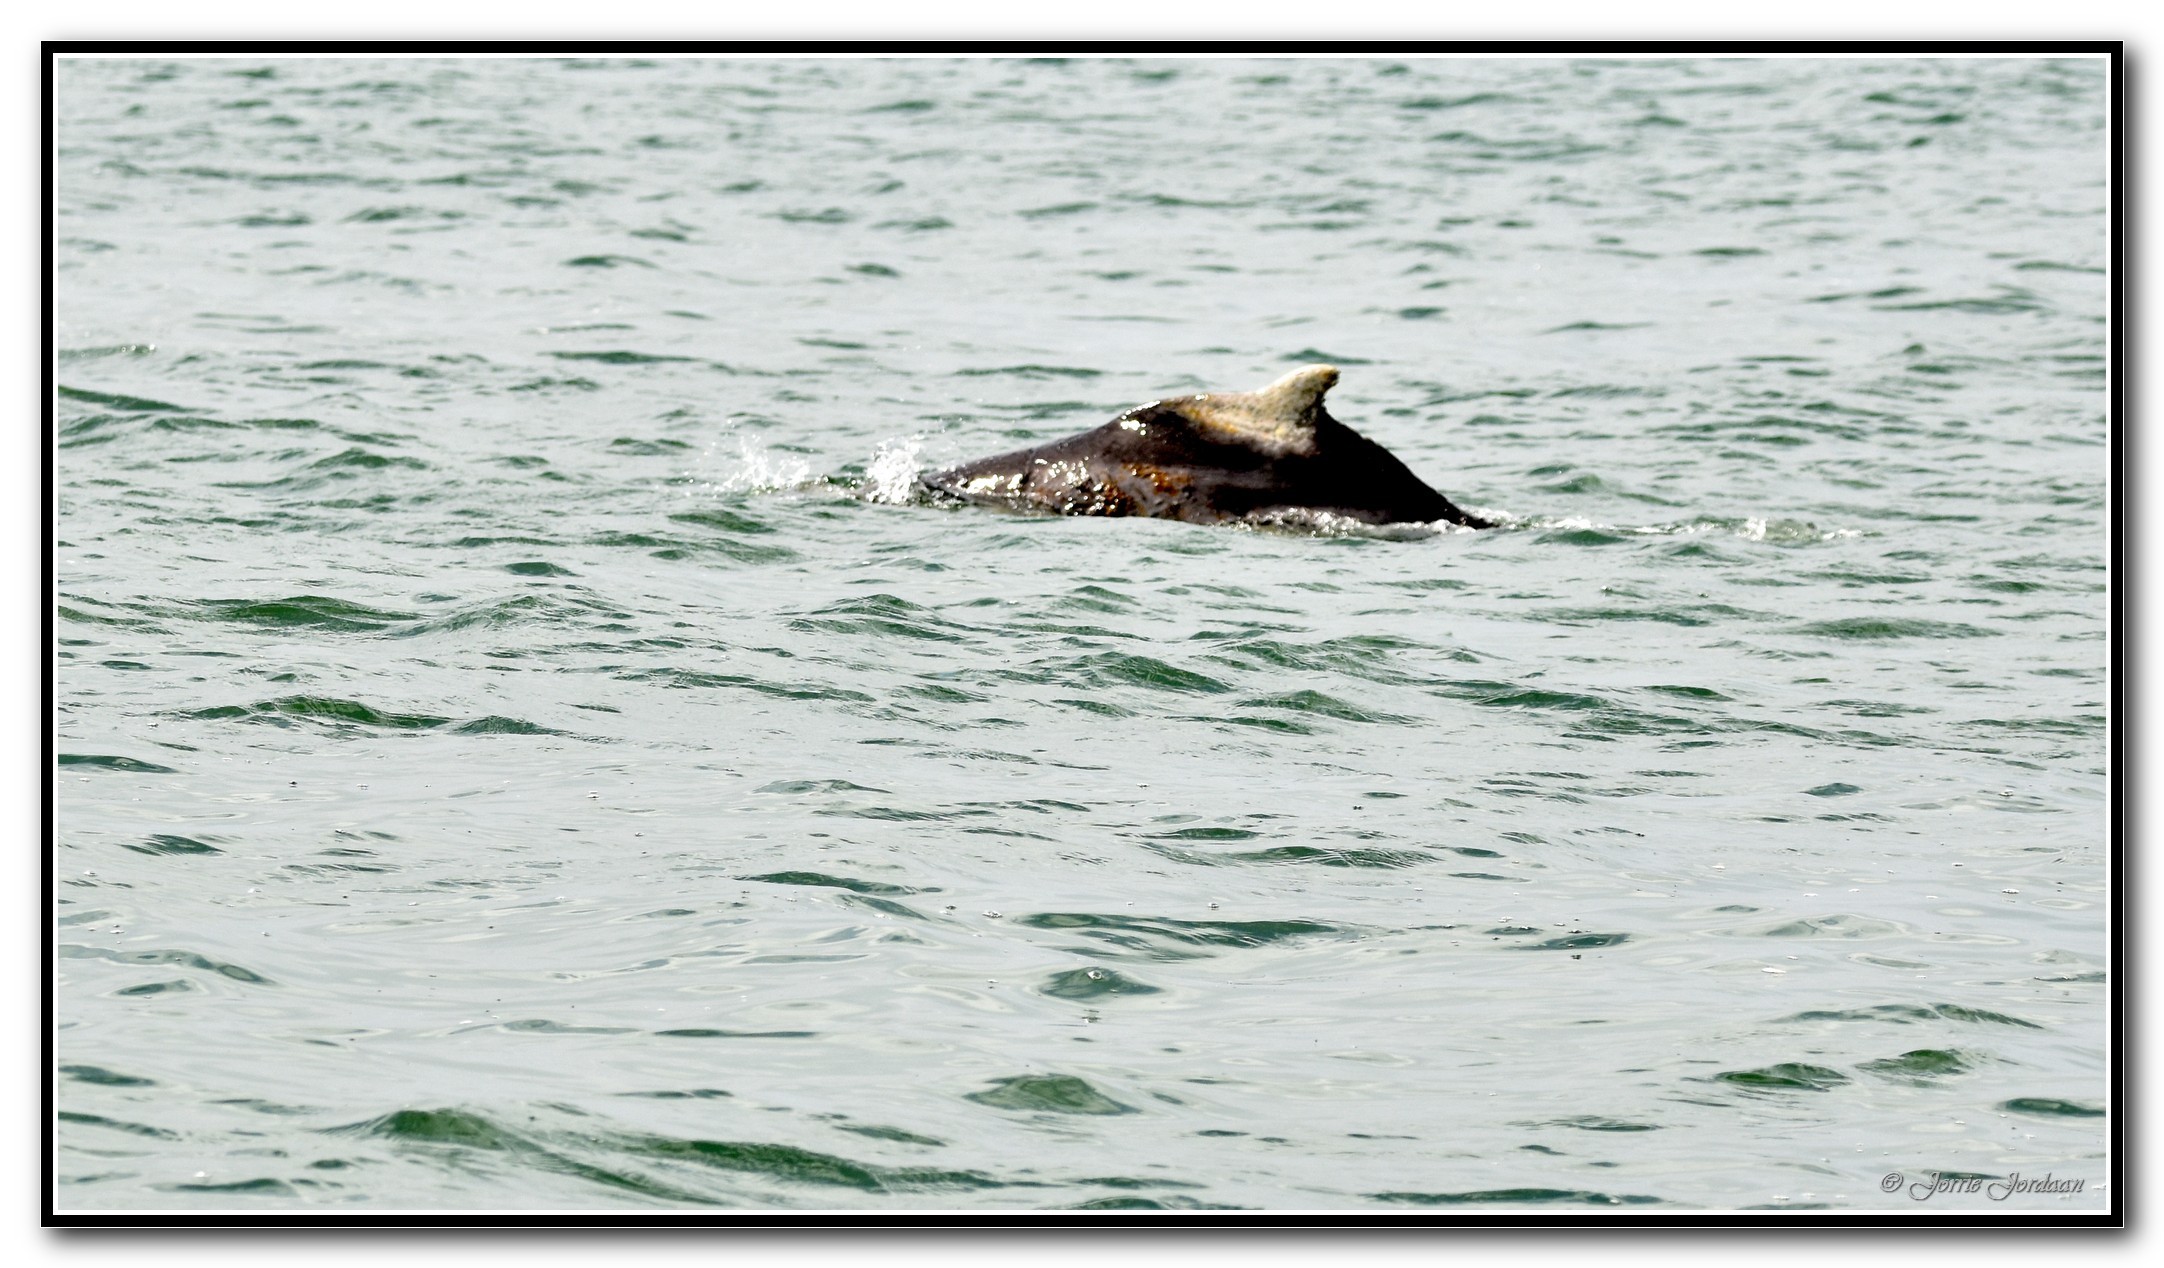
x,y
522,744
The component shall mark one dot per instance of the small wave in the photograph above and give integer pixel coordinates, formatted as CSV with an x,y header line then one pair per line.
x,y
183,958
107,761
1057,1093
145,349
1519,1197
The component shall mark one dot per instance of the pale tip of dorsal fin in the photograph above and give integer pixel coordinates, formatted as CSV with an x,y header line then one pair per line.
x,y
1292,398
1279,419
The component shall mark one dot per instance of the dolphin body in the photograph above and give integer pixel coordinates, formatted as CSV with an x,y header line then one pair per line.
x,y
1270,456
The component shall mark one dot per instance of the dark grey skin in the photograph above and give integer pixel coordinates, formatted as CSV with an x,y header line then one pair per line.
x,y
1271,456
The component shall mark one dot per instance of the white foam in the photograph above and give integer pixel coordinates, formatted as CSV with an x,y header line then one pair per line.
x,y
1778,531
1314,523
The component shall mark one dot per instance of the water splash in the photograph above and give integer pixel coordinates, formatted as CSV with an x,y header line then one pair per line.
x,y
1777,531
753,468
891,476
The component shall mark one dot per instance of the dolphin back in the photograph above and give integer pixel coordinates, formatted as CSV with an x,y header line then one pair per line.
x,y
1274,454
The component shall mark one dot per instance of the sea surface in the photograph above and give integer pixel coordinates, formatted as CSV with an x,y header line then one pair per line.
x,y
521,743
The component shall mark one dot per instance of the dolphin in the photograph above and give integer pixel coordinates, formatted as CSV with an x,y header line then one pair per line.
x,y
1270,456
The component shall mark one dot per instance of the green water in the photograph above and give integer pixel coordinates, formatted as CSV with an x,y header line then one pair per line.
x,y
522,746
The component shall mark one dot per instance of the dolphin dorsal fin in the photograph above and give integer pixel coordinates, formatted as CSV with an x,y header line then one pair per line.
x,y
1279,417
1294,397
